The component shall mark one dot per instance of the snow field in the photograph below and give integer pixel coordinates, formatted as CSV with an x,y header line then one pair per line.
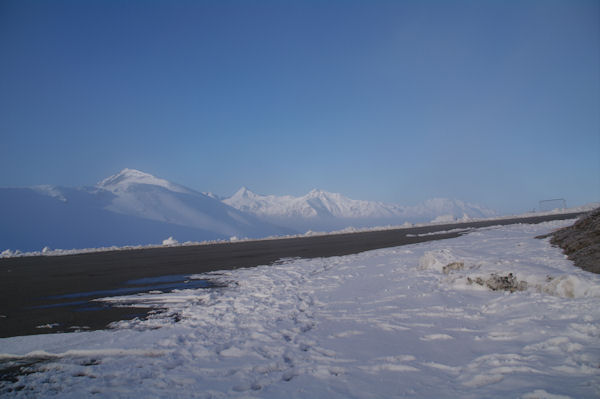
x,y
384,323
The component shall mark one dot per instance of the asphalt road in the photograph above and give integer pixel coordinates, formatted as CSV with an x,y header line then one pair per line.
x,y
55,291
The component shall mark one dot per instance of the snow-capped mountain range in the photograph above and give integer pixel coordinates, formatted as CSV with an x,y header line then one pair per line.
x,y
322,204
133,208
316,203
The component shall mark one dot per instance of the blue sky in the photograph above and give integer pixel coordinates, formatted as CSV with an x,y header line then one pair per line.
x,y
495,102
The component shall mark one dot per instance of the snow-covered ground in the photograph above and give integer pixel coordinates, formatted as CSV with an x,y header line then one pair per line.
x,y
386,323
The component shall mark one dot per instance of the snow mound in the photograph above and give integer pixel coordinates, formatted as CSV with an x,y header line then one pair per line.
x,y
570,286
509,273
170,241
8,253
443,219
435,260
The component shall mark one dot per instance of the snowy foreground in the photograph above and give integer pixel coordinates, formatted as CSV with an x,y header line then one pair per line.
x,y
380,324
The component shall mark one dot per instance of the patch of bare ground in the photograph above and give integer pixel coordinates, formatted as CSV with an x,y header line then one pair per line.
x,y
581,241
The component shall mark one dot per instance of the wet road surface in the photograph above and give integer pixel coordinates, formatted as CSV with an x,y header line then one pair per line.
x,y
44,294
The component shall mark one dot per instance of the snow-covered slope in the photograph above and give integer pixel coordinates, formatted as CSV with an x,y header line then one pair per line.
x,y
145,196
129,208
77,218
321,209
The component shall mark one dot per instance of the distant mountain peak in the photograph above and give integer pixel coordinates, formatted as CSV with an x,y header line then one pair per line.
x,y
244,192
315,192
128,178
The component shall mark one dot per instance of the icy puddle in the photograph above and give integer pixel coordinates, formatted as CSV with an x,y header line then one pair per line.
x,y
495,313
94,301
162,284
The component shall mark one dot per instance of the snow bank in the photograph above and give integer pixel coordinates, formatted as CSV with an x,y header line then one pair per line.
x,y
170,241
526,272
443,219
385,323
569,286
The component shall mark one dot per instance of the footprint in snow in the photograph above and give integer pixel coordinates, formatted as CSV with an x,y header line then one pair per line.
x,y
436,337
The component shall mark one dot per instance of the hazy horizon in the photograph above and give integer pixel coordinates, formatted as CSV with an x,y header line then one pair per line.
x,y
492,103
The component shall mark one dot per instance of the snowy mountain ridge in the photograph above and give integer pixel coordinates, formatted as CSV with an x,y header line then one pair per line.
x,y
319,204
133,187
137,208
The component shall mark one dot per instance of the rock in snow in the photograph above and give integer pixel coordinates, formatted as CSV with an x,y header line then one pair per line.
x,y
497,282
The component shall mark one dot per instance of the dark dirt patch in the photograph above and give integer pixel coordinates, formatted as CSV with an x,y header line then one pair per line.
x,y
500,283
11,371
581,241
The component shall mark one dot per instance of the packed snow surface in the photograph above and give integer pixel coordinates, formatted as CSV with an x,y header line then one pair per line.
x,y
387,323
